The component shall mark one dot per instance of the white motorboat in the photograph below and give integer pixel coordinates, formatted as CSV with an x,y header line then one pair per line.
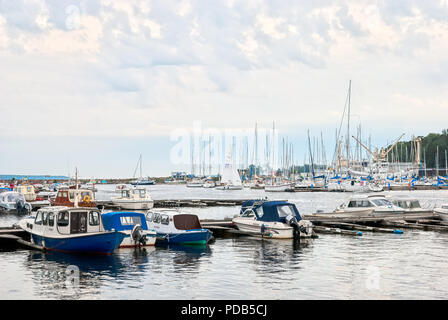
x,y
209,184
277,187
14,202
272,219
376,205
442,211
137,198
408,204
195,183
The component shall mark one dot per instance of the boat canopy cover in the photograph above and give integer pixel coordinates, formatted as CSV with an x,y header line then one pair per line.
x,y
186,221
11,196
123,220
271,210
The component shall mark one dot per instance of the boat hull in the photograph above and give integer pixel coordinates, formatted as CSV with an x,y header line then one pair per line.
x,y
101,243
272,230
189,237
443,213
133,205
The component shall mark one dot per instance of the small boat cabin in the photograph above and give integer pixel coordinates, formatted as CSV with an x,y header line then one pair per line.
x,y
68,197
64,220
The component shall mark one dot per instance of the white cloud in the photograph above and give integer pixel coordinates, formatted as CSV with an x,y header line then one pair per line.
x,y
149,67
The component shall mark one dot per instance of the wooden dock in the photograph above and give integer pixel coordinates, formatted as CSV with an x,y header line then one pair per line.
x,y
175,203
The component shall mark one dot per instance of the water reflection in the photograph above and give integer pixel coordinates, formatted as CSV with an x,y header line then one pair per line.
x,y
187,256
64,275
279,255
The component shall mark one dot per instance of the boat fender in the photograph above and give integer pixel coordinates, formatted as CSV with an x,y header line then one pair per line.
x,y
86,199
398,231
263,229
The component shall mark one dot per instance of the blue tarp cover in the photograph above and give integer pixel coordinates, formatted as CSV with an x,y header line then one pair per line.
x,y
112,220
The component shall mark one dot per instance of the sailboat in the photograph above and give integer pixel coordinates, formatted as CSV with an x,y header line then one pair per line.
x,y
141,181
230,179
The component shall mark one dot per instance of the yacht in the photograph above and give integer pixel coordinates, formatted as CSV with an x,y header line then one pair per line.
x,y
137,198
272,219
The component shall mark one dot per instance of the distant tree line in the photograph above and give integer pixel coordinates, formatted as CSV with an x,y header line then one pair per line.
x,y
405,151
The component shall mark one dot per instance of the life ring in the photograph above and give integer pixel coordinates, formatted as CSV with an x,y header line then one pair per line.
x,y
86,199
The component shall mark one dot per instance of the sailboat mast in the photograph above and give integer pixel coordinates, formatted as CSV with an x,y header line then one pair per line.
x,y
348,124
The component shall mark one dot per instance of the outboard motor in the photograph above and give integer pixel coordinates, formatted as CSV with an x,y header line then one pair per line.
x,y
301,228
137,235
21,208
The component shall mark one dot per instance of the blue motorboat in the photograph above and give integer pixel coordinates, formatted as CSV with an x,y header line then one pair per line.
x,y
133,224
174,227
68,229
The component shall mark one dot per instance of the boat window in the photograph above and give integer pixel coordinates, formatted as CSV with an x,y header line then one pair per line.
x,y
63,219
38,219
142,193
381,202
248,213
164,219
88,194
366,204
94,218
352,204
156,218
130,221
125,194
28,189
44,218
72,196
444,206
414,204
64,194
51,219
284,211
260,212
149,216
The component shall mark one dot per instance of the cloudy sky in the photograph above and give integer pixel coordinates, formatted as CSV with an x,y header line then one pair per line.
x,y
94,84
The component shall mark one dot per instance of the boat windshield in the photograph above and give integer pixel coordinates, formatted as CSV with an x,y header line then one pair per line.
x,y
414,204
286,210
381,202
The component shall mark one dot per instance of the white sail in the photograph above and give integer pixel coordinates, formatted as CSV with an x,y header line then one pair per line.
x,y
230,175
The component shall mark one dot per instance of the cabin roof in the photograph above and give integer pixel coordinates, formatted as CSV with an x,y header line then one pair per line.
x,y
270,209
112,220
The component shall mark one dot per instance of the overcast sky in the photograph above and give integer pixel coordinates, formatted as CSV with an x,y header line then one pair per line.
x,y
93,84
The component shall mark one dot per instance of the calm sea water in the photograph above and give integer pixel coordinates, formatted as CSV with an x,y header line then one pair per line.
x,y
374,266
